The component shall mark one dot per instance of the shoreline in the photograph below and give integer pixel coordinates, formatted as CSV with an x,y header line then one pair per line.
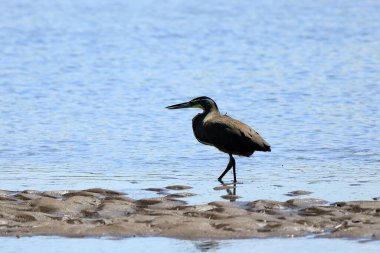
x,y
101,212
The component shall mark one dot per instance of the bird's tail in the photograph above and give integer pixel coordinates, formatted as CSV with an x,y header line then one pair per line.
x,y
266,147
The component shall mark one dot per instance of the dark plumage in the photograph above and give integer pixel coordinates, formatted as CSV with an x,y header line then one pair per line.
x,y
223,132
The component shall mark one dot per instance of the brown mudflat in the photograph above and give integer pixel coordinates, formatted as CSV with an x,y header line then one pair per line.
x,y
101,212
178,187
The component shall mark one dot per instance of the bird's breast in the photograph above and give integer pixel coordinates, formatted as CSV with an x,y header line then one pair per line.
x,y
199,130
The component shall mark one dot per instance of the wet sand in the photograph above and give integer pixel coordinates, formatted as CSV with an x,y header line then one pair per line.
x,y
101,212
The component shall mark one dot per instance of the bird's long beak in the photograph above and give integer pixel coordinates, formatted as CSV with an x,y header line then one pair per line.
x,y
179,106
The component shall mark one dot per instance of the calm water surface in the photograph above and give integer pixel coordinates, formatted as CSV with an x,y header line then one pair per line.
x,y
84,85
152,244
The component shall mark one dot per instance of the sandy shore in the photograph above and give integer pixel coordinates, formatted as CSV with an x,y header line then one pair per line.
x,y
101,212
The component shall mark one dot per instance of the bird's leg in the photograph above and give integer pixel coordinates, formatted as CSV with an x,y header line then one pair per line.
x,y
230,164
234,168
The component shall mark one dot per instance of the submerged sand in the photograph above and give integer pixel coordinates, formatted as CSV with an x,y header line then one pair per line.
x,y
101,212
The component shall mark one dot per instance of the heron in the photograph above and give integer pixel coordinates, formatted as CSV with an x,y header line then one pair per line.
x,y
223,132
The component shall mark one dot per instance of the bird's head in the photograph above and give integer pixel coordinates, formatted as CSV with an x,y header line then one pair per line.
x,y
204,103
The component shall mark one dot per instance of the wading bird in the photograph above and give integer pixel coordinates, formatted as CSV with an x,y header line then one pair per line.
x,y
223,132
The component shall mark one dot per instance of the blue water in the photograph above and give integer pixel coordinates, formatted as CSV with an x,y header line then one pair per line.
x,y
84,85
152,244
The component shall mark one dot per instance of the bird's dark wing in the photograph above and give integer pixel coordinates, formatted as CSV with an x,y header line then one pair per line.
x,y
233,136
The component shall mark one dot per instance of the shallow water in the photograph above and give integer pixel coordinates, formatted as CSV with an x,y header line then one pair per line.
x,y
45,244
84,85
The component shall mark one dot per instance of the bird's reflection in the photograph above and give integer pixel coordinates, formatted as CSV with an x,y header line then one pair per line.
x,y
231,191
205,246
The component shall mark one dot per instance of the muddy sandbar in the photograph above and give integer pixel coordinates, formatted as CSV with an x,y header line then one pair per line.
x,y
101,212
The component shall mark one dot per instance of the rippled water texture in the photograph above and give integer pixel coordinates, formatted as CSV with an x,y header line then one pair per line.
x,y
90,245
84,85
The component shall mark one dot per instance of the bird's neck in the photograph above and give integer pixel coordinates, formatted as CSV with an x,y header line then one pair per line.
x,y
211,108
211,112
